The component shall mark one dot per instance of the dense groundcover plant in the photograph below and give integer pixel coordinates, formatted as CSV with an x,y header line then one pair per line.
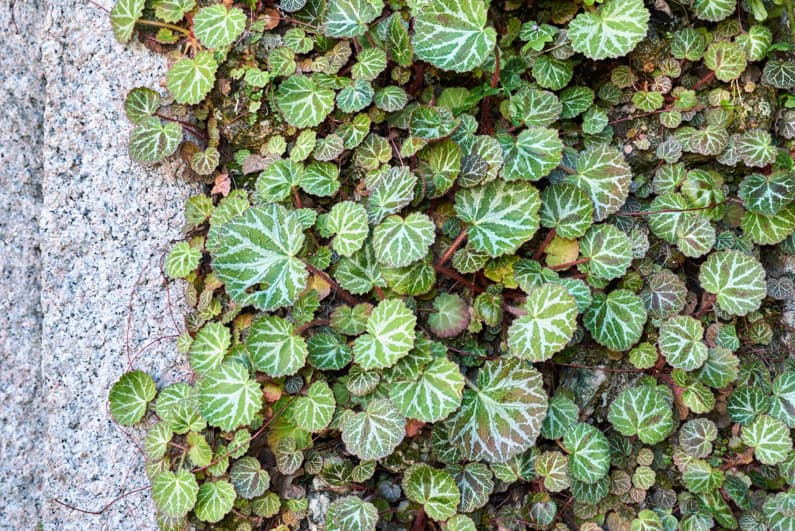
x,y
474,266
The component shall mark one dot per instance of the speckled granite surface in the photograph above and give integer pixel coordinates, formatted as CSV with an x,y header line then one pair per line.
x,y
80,224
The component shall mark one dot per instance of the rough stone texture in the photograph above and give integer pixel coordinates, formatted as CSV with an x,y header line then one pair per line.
x,y
80,223
21,428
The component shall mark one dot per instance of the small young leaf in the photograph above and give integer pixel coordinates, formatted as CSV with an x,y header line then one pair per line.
x,y
434,489
191,79
151,140
217,26
130,395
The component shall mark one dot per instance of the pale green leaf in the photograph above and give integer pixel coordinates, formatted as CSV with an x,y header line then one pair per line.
x,y
613,30
190,79
737,280
434,489
217,26
548,325
274,347
130,395
375,432
151,140
175,493
390,335
227,397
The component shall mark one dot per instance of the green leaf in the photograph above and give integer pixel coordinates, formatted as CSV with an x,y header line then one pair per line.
x,y
415,279
397,41
432,123
355,96
551,73
217,26
664,294
182,260
780,74
227,397
726,59
770,439
175,493
398,242
348,220
566,208
501,216
274,347
248,478
766,229
256,258
531,155
434,489
680,342
713,10
369,64
696,436
320,179
209,347
313,412
327,352
215,499
375,432
609,250
130,395
351,513
439,165
612,31
688,43
390,193
151,140
746,403
433,395
536,108
303,102
476,483
604,175
389,337
589,453
737,280
547,327
642,411
140,103
200,452
451,34
616,320
123,16
157,439
390,98
574,101
501,417
756,148
767,194
276,182
360,273
190,80
782,401
720,369
561,416
349,18
450,317
172,10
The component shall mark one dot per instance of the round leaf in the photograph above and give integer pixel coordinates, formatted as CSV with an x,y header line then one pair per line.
x,y
612,31
547,327
217,26
431,397
737,280
191,79
680,342
228,398
390,335
434,489
175,493
313,412
644,412
375,432
130,395
398,242
274,347
616,320
589,459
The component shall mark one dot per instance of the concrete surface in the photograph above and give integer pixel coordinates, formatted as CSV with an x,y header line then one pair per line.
x,y
80,224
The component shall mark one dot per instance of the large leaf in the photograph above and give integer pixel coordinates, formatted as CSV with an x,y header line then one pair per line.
x,y
642,411
130,395
274,347
566,208
228,398
771,229
612,31
547,327
398,242
616,320
217,26
433,395
152,140
451,34
214,500
604,175
770,438
348,220
123,16
533,154
609,250
434,489
501,216
589,459
390,335
190,80
313,412
351,513
256,257
175,493
501,417
303,102
349,18
375,432
680,342
737,280
209,347
767,194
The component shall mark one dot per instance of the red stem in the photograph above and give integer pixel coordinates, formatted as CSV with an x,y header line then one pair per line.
x,y
544,244
344,295
453,246
566,265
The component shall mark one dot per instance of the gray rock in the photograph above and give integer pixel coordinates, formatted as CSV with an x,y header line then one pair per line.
x,y
83,228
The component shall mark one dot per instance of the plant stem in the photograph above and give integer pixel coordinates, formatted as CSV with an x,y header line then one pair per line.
x,y
344,295
455,276
163,25
706,305
544,244
566,265
453,246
